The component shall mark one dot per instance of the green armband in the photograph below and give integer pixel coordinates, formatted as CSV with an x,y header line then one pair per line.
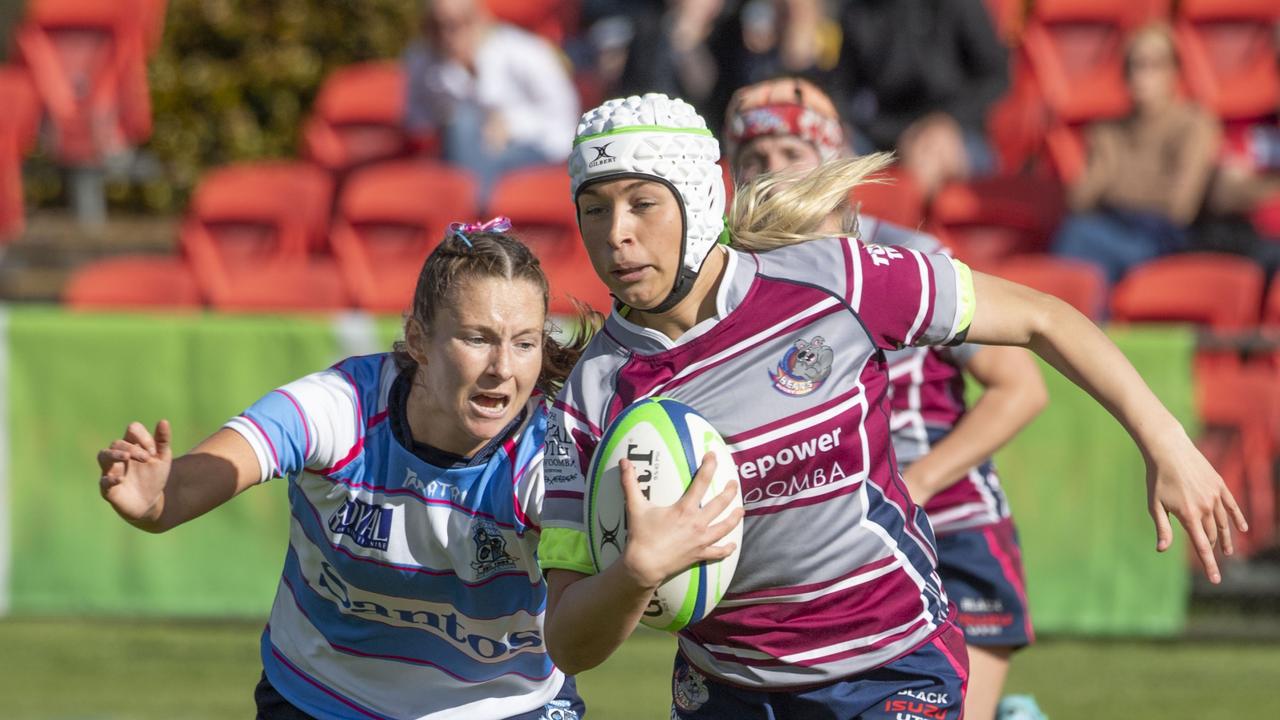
x,y
966,300
564,549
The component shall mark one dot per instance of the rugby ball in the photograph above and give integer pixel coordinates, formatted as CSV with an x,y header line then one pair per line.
x,y
665,441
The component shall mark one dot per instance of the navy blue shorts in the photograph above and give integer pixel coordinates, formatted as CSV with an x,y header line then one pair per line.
x,y
981,570
567,705
927,684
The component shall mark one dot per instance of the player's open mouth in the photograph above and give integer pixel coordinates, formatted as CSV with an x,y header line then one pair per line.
x,y
491,404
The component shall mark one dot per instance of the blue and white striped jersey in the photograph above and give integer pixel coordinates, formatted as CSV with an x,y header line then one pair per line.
x,y
409,590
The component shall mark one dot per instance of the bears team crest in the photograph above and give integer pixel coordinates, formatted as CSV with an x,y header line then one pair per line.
x,y
804,367
688,690
491,549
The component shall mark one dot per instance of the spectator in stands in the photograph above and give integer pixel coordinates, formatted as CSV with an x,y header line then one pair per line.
x,y
1146,174
920,76
703,50
1242,210
499,97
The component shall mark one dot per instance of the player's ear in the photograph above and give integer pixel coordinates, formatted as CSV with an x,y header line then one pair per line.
x,y
415,339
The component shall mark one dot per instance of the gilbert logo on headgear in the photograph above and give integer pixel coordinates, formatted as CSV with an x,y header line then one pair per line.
x,y
460,230
602,155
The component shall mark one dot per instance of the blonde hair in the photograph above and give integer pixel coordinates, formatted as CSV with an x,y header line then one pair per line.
x,y
785,208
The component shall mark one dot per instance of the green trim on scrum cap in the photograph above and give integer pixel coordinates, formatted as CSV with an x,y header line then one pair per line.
x,y
642,128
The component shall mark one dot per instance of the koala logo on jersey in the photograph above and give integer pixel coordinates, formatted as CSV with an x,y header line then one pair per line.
x,y
559,710
804,367
491,549
689,690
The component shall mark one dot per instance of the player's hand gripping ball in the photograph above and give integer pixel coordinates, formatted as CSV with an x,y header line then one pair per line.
x,y
664,440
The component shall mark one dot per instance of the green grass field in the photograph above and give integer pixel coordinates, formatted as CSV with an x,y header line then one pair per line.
x,y
108,669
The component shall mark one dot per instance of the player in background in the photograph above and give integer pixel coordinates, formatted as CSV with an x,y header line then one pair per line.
x,y
836,609
411,587
943,448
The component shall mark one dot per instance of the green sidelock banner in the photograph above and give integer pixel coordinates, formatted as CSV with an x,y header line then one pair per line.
x,y
74,381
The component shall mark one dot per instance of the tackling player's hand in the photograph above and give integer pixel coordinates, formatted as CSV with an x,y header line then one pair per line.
x,y
135,470
1181,482
664,541
921,489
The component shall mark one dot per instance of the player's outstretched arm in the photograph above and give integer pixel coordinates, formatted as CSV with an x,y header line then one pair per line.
x,y
1013,394
589,616
154,492
1179,479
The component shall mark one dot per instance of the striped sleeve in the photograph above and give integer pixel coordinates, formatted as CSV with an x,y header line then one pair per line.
x,y
571,440
311,423
905,297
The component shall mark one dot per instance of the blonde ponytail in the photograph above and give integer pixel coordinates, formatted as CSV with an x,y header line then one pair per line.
x,y
780,209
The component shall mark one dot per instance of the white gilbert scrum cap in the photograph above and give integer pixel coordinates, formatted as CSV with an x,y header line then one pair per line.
x,y
665,139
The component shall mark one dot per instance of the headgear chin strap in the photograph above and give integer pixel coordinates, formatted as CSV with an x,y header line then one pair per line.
x,y
662,139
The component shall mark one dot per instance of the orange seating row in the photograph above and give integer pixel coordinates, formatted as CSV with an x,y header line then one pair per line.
x,y
259,236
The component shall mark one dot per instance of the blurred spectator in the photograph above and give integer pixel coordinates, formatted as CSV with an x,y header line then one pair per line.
x,y
1146,174
1250,176
702,50
1242,211
499,97
920,76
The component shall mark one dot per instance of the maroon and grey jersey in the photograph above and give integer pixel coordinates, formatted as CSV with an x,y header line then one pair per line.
x,y
837,568
927,398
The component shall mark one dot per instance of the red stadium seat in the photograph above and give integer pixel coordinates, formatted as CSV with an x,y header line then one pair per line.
x,y
542,214
390,217
153,12
1016,123
1007,16
895,198
1221,292
87,62
729,187
1228,51
1066,151
250,233
554,20
358,118
1271,310
133,283
22,105
19,124
1075,50
12,209
1080,284
1244,404
985,221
